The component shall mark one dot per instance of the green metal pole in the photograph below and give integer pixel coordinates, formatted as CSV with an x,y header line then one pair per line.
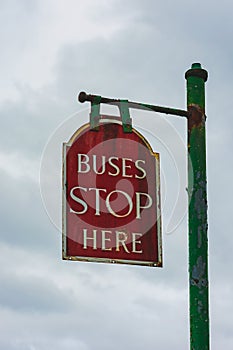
x,y
198,241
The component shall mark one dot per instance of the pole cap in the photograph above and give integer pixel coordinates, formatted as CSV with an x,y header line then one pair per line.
x,y
197,71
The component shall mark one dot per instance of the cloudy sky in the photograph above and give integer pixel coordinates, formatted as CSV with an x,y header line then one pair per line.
x,y
139,50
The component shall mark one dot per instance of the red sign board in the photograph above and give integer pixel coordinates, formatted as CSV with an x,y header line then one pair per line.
x,y
111,197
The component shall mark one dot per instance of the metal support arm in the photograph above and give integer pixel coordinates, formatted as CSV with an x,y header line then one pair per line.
x,y
83,97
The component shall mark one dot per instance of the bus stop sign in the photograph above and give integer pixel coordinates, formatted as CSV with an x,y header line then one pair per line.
x,y
111,197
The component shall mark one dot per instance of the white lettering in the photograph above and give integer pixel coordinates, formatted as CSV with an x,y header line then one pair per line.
x,y
129,204
97,199
105,239
121,241
102,166
124,166
78,200
134,242
114,166
112,240
141,169
138,203
110,208
84,162
85,238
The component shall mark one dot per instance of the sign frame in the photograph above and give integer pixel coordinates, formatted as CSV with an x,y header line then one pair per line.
x,y
65,256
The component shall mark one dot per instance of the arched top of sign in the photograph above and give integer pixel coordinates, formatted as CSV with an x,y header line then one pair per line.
x,y
109,120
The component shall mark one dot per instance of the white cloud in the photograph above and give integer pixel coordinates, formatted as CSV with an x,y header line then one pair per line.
x,y
17,166
33,35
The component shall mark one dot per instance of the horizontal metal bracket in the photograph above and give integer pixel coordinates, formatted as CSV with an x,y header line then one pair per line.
x,y
83,97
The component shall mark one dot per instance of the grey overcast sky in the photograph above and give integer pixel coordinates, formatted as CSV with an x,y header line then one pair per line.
x,y
140,50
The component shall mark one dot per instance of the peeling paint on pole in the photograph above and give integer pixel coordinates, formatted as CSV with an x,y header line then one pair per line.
x,y
198,241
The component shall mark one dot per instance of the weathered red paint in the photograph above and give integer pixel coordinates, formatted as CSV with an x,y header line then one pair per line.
x,y
110,206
